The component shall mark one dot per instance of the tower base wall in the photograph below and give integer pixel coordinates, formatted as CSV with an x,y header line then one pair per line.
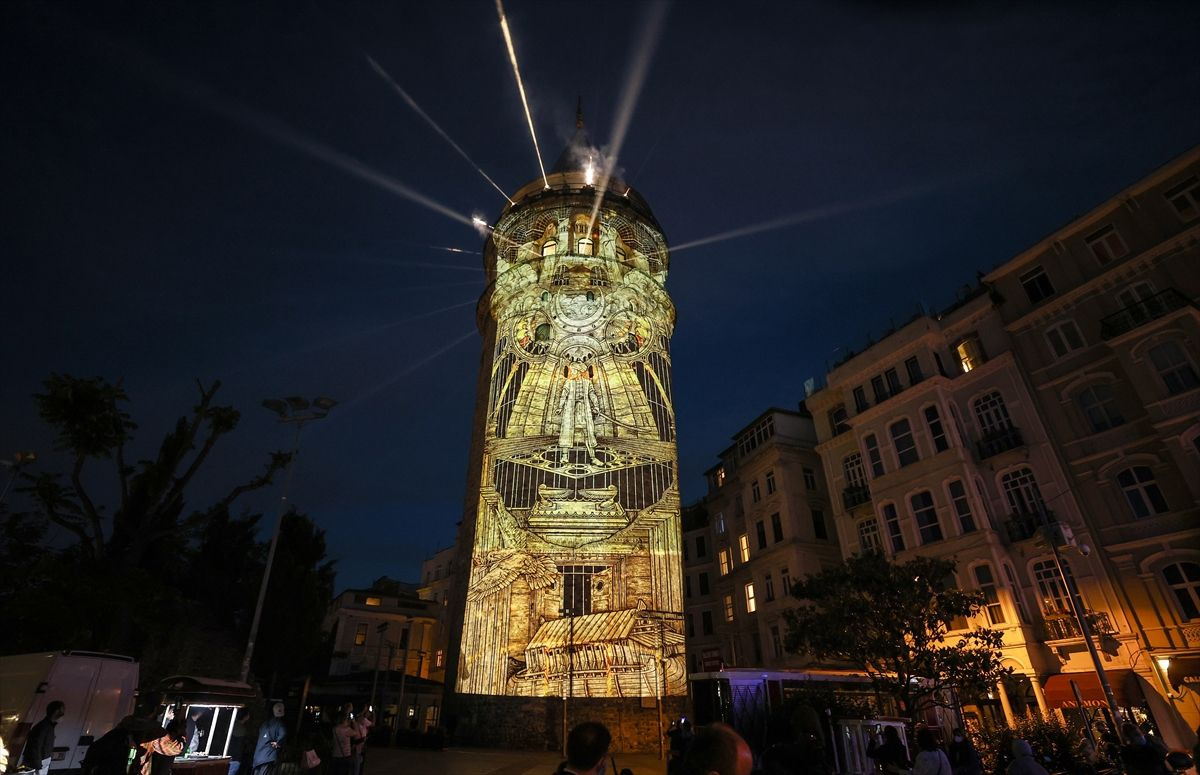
x,y
536,723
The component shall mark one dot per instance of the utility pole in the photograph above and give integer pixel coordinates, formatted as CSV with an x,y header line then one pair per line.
x,y
404,669
299,411
381,630
569,687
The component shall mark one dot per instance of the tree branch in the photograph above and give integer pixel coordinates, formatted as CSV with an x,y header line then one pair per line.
x,y
89,508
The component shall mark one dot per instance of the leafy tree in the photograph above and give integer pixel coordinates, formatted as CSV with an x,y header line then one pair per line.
x,y
893,620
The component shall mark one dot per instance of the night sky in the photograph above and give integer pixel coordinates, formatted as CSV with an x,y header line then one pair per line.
x,y
174,208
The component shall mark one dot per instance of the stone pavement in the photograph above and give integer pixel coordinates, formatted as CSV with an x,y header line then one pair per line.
x,y
488,761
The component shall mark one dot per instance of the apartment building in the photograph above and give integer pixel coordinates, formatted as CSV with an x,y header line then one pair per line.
x,y
765,522
437,582
1047,425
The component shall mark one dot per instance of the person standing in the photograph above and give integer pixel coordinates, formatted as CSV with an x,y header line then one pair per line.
x,y
341,755
890,755
718,750
39,746
1023,762
964,759
270,737
930,759
587,746
362,729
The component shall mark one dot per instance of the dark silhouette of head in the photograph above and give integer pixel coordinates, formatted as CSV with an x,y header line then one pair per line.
x,y
926,740
55,710
891,735
587,744
718,749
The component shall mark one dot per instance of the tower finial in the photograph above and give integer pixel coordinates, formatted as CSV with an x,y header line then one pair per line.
x,y
579,113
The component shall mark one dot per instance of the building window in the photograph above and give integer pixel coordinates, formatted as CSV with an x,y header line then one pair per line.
x,y
1184,580
868,536
1106,245
718,477
878,389
926,517
769,588
1064,338
969,353
703,579
1052,593
744,547
785,580
1100,407
962,506
750,440
1185,198
1021,490
577,588
719,523
760,532
819,529
1037,285
1173,367
691,625
892,521
360,634
810,478
706,624
723,563
902,439
893,381
1015,591
755,492
991,596
873,455
839,421
728,608
1135,294
373,601
701,547
776,641
852,470
1141,492
913,367
751,603
549,247
770,477
992,414
860,399
777,527
936,432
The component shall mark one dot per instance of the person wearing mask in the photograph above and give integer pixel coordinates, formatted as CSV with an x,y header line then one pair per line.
x,y
930,759
718,750
964,759
890,755
270,737
39,746
1023,762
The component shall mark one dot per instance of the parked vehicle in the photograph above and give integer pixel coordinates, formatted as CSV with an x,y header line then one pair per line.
x,y
98,690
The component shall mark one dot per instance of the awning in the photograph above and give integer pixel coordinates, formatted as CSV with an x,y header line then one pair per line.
x,y
1058,692
1184,672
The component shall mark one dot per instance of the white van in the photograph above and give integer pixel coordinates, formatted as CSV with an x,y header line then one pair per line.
x,y
98,689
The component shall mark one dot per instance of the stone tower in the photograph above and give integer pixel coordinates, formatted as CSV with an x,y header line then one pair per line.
x,y
570,542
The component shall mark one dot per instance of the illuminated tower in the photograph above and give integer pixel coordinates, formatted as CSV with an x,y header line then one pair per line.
x,y
571,537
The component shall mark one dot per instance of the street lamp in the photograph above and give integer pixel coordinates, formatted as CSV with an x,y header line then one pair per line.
x,y
297,411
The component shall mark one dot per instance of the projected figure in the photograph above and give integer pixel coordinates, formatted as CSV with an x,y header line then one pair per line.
x,y
578,410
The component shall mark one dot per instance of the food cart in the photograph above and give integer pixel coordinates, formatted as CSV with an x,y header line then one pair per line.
x,y
221,704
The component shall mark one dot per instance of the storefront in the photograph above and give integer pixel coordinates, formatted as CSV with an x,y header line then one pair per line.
x,y
1083,695
214,707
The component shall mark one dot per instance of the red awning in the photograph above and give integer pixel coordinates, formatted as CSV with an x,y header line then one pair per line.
x,y
1059,693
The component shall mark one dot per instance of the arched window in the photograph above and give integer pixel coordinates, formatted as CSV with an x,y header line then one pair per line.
x,y
1184,580
1173,367
868,537
1052,593
1099,405
986,581
852,468
549,247
892,521
992,414
926,517
902,438
1021,489
873,454
1141,492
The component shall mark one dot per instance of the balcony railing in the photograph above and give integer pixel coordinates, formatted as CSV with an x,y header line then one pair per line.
x,y
1021,525
999,441
855,495
1061,625
1143,312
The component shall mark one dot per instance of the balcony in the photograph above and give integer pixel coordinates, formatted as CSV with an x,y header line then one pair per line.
x,y
1021,525
1061,625
855,495
1143,312
994,443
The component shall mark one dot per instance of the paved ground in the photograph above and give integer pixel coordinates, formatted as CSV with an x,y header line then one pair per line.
x,y
486,761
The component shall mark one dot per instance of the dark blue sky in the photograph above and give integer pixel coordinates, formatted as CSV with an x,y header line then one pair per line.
x,y
158,228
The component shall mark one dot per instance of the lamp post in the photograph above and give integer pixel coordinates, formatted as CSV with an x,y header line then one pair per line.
x,y
298,411
569,689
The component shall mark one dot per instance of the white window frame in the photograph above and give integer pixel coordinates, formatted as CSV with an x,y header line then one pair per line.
x,y
1106,244
751,601
1064,338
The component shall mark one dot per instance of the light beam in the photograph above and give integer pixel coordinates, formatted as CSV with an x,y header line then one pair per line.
x,y
371,391
512,56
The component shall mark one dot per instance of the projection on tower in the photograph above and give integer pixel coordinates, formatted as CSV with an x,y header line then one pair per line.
x,y
575,584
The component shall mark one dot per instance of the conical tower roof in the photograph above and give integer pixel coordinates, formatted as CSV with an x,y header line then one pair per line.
x,y
572,157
